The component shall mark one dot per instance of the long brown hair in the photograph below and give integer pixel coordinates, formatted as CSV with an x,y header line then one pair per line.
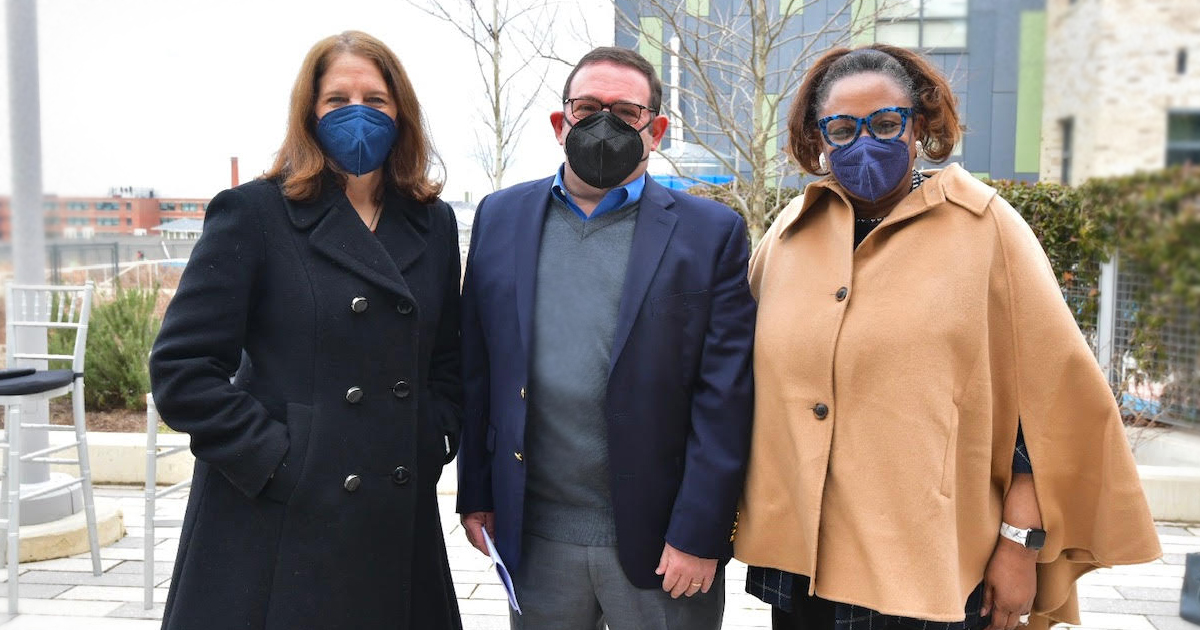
x,y
930,92
301,162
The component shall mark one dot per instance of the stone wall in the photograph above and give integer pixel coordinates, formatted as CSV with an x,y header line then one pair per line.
x,y
1111,65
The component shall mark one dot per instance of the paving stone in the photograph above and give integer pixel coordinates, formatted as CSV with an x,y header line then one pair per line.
x,y
132,610
484,622
86,579
62,608
488,591
1114,621
128,542
135,566
1131,606
483,607
56,622
1151,594
1113,579
1174,558
1180,539
34,590
122,553
1171,529
111,594
1151,568
1172,622
1097,592
79,565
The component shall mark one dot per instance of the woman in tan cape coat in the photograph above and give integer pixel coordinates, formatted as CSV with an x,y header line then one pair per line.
x,y
914,354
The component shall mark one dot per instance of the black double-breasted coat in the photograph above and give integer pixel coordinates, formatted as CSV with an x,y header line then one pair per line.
x,y
315,366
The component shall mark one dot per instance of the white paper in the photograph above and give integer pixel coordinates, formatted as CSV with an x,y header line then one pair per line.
x,y
501,571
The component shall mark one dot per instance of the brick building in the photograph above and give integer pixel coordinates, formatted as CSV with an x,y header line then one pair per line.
x,y
125,210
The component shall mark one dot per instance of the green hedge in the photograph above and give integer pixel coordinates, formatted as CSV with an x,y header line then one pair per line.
x,y
121,331
1152,219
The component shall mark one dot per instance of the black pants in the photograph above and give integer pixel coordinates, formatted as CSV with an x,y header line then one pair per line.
x,y
808,613
814,613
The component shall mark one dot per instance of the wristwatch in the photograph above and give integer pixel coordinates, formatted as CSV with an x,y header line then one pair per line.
x,y
1031,538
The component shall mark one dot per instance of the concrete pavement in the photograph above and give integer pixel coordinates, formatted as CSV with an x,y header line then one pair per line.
x,y
63,595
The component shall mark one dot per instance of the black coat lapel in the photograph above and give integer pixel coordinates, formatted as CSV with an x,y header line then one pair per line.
x,y
338,234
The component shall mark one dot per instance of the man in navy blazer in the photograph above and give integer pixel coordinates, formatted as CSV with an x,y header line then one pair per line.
x,y
607,332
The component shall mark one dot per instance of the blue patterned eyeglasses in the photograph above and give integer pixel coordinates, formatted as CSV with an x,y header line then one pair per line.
x,y
883,124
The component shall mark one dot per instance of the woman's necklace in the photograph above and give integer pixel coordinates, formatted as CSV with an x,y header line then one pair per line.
x,y
375,218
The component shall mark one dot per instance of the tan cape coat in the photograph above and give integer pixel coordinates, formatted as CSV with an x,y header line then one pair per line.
x,y
923,346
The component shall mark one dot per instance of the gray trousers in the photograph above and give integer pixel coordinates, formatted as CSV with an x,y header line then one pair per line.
x,y
561,586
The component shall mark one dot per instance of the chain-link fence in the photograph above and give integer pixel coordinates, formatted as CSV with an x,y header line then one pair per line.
x,y
1155,369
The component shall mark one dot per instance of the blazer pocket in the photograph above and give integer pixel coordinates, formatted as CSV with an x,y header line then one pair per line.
x,y
283,482
680,303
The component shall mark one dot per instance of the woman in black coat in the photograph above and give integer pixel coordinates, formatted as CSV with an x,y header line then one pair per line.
x,y
311,352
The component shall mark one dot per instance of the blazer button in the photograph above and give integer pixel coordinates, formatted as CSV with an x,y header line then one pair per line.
x,y
400,476
841,294
518,456
522,393
358,304
401,389
352,483
820,411
354,394
404,308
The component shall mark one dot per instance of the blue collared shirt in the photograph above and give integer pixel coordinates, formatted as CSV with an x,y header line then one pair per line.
x,y
614,199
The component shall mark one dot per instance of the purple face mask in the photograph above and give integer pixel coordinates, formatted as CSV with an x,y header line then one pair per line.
x,y
870,168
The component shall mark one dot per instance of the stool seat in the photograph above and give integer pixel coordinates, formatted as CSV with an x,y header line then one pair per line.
x,y
36,383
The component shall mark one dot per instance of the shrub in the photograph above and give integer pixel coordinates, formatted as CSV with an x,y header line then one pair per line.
x,y
120,334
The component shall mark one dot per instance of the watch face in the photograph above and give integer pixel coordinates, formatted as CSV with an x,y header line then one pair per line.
x,y
1036,539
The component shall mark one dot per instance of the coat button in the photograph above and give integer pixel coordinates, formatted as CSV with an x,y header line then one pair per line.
x,y
400,476
401,389
354,394
404,308
841,294
821,411
522,393
358,304
518,456
352,483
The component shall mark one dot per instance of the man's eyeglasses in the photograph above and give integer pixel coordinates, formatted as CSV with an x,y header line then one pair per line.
x,y
884,124
631,113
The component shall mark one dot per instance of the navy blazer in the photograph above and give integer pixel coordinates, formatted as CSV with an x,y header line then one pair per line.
x,y
680,390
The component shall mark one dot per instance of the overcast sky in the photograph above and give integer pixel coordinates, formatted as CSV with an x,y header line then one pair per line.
x,y
161,93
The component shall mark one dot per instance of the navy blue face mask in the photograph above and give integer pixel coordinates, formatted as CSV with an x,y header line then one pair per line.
x,y
356,137
870,169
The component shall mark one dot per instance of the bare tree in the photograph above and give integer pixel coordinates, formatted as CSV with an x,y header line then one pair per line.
x,y
513,44
740,63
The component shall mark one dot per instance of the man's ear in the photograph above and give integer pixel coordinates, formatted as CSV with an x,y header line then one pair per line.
x,y
658,129
558,122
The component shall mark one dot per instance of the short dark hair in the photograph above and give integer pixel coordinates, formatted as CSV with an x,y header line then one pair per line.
x,y
931,95
621,57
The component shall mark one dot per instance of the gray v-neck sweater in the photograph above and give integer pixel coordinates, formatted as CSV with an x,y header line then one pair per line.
x,y
580,277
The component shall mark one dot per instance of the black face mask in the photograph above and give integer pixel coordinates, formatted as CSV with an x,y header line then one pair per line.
x,y
603,150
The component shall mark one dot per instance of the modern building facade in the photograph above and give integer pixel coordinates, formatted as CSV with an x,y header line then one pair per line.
x,y
1122,87
125,210
994,52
